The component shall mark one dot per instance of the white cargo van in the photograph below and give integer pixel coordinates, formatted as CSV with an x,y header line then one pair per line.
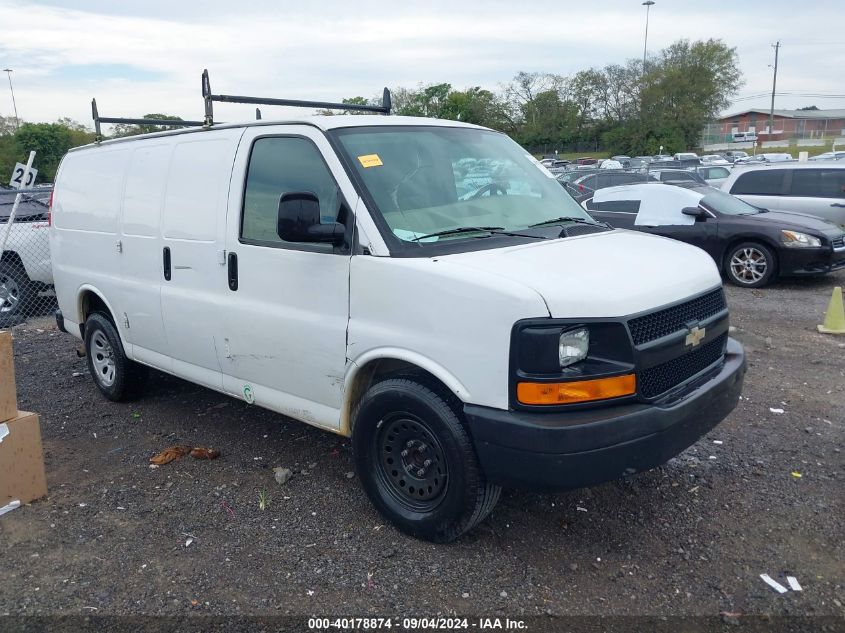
x,y
423,286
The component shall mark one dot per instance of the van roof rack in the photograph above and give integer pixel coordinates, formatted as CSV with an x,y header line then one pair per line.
x,y
108,119
209,98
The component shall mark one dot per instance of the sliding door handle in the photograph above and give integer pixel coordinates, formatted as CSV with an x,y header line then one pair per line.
x,y
232,270
166,262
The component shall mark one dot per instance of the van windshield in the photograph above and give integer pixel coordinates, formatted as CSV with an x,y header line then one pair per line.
x,y
442,180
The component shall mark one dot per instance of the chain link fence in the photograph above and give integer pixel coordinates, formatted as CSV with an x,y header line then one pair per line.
x,y
26,276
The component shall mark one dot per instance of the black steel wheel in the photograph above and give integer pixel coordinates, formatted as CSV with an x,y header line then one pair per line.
x,y
411,463
416,460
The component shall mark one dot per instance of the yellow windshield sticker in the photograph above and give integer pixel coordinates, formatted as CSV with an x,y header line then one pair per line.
x,y
370,160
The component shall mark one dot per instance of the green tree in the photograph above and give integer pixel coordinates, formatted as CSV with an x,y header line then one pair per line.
x,y
50,141
548,120
79,133
475,105
688,85
7,125
427,101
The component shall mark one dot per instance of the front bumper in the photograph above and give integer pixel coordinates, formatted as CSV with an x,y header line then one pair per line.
x,y
810,261
580,448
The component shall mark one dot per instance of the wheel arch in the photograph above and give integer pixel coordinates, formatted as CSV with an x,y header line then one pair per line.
x,y
89,300
13,258
369,368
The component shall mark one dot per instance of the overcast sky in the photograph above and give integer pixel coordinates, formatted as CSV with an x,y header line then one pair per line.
x,y
140,57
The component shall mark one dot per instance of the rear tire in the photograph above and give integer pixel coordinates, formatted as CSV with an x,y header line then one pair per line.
x,y
118,378
750,265
16,291
416,461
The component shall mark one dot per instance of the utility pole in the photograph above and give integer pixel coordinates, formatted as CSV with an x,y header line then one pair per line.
x,y
774,85
8,72
648,4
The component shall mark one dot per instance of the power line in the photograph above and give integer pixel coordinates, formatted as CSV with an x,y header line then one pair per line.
x,y
817,95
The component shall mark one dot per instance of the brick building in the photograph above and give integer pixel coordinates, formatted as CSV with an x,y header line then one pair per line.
x,y
788,124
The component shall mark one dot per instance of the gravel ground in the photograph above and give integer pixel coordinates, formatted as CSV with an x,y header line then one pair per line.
x,y
115,536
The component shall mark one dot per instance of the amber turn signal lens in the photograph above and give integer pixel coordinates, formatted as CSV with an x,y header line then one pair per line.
x,y
580,391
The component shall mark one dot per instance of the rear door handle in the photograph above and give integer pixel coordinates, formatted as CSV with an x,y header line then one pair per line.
x,y
837,204
232,271
166,262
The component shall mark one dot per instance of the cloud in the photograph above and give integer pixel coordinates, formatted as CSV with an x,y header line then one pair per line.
x,y
147,57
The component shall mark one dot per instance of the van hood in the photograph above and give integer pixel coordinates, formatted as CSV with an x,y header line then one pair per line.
x,y
601,275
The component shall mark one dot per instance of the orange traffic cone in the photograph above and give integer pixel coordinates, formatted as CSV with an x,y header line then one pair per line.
x,y
834,318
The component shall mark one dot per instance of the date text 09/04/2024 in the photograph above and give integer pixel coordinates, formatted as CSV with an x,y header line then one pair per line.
x,y
416,624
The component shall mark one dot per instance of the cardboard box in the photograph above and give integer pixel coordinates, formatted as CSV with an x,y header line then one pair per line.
x,y
22,476
8,390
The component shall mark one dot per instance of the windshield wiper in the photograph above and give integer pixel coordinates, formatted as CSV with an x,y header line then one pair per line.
x,y
493,230
568,219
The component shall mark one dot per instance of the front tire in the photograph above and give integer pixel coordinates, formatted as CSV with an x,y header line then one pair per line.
x,y
750,265
117,377
416,461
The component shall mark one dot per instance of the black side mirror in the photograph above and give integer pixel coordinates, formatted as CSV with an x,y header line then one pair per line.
x,y
697,212
299,220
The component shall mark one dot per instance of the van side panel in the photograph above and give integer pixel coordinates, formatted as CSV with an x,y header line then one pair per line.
x,y
84,238
142,270
193,227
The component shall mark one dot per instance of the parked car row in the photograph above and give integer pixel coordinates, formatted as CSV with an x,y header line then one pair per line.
x,y
757,222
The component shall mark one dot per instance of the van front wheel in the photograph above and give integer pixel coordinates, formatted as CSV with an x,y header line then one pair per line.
x,y
416,461
117,377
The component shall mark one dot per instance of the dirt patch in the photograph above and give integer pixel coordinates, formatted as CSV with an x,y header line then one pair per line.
x,y
688,538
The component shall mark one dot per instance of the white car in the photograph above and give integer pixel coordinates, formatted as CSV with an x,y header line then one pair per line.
x,y
325,268
813,188
610,163
714,159
25,267
828,156
766,157
685,156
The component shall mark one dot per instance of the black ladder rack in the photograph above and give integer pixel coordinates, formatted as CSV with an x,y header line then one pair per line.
x,y
109,119
209,98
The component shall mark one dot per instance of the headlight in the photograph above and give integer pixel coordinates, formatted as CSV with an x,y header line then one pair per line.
x,y
795,239
573,346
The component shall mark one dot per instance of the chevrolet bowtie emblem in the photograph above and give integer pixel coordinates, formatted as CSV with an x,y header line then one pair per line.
x,y
695,336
